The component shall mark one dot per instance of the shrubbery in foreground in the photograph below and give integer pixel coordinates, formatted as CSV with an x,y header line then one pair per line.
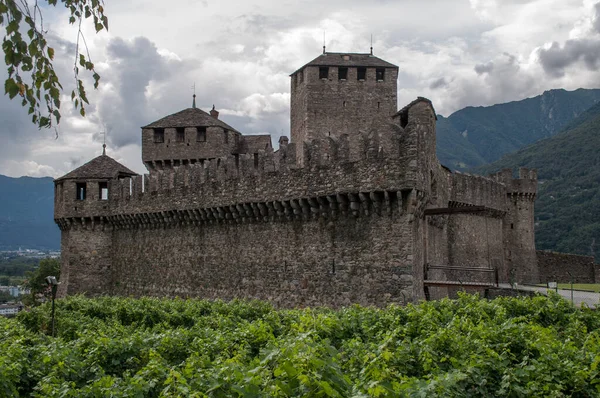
x,y
118,347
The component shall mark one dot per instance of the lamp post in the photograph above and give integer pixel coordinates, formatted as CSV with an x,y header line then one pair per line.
x,y
53,283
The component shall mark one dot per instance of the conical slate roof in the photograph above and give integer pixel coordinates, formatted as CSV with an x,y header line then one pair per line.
x,y
190,117
99,168
348,59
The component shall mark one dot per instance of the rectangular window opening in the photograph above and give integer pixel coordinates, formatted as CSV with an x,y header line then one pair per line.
x,y
361,74
323,72
342,73
80,189
103,186
201,134
159,135
180,136
380,74
256,160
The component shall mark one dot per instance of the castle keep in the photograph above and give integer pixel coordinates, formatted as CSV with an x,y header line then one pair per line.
x,y
355,208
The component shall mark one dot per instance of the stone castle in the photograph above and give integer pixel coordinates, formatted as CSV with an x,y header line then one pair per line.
x,y
355,208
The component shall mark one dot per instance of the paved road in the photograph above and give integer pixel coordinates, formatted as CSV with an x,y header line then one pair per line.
x,y
591,299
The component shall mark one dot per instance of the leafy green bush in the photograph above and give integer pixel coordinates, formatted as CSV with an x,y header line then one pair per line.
x,y
120,347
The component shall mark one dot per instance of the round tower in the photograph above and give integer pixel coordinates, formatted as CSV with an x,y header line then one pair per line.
x,y
519,234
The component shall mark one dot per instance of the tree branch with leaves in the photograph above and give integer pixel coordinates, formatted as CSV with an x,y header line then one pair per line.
x,y
29,58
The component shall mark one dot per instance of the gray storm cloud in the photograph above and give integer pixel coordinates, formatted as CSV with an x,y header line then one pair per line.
x,y
556,59
484,68
135,64
438,83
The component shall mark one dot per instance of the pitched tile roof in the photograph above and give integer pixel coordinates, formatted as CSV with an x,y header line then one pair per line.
x,y
348,59
99,168
189,117
255,143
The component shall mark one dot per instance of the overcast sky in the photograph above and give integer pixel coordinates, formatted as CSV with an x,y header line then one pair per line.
x,y
240,54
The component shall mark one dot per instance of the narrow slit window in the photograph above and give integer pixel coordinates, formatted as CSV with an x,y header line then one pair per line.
x,y
159,135
323,72
201,134
380,74
342,73
226,136
256,160
180,136
80,189
361,74
103,186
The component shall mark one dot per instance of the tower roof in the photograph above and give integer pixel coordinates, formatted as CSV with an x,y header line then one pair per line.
x,y
189,117
348,59
100,167
419,99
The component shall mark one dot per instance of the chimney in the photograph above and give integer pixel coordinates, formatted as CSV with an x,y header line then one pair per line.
x,y
283,141
214,113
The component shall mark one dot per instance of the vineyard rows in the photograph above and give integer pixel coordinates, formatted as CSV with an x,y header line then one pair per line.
x,y
469,347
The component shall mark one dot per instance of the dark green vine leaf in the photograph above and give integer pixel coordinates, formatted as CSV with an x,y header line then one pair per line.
x,y
29,58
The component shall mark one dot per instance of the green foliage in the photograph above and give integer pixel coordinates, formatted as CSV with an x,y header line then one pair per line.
x,y
119,347
5,297
567,209
26,52
36,280
16,266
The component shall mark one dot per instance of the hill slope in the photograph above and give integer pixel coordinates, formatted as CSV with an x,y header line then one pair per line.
x,y
568,205
474,136
26,214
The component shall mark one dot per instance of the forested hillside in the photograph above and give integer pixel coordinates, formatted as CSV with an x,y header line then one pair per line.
x,y
568,203
27,214
474,136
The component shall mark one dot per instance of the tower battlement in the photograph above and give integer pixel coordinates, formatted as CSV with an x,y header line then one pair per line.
x,y
524,187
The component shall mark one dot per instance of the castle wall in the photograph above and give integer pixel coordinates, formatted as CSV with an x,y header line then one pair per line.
x,y
86,259
362,260
556,267
475,241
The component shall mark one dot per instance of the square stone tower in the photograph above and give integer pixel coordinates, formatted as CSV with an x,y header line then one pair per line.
x,y
341,93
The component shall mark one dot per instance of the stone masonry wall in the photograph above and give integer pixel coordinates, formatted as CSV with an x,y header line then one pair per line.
x,y
86,259
297,263
332,107
555,267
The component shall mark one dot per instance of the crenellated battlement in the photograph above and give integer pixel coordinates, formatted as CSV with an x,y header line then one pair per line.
x,y
524,187
265,177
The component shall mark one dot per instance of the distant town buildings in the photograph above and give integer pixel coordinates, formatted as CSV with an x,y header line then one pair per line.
x,y
10,309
